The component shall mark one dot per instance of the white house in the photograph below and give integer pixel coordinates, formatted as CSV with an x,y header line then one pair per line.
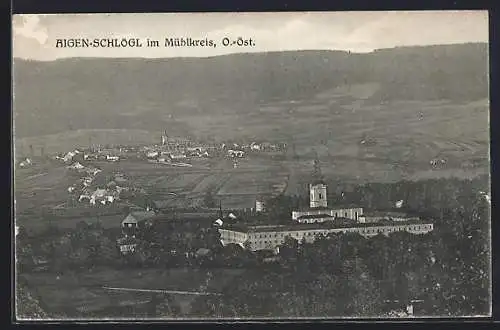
x,y
76,166
254,146
25,163
152,154
112,158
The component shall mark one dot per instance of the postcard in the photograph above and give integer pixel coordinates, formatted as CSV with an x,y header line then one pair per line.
x,y
251,166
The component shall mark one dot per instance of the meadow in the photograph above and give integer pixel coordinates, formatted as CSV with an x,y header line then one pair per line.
x,y
356,139
81,293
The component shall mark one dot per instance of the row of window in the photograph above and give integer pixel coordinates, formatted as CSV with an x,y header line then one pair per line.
x,y
310,233
266,242
364,231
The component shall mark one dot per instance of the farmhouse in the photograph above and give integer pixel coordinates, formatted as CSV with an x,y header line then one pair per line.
x,y
127,244
236,153
177,156
131,223
25,163
152,154
76,166
111,158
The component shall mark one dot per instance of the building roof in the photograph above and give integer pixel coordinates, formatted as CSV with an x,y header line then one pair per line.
x,y
318,226
99,193
315,216
137,216
318,182
389,214
336,207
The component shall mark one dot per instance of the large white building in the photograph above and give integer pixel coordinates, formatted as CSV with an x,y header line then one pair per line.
x,y
314,215
270,237
317,220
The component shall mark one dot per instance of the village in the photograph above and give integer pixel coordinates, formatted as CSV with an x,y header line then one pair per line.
x,y
84,163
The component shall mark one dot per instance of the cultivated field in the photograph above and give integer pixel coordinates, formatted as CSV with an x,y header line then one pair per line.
x,y
356,138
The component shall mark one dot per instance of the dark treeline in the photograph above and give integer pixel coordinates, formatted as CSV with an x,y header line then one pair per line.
x,y
438,199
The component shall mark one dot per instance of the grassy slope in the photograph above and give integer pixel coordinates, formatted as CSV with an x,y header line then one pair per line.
x,y
418,103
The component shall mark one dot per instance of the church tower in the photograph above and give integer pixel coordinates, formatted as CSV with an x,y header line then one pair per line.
x,y
317,195
164,138
317,189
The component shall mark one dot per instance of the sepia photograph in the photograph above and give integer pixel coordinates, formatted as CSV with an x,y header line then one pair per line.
x,y
251,166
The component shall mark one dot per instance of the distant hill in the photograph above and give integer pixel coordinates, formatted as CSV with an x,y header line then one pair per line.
x,y
214,96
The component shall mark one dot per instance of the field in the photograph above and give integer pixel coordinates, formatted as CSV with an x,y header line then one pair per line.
x,y
78,294
67,141
187,187
407,135
356,139
41,199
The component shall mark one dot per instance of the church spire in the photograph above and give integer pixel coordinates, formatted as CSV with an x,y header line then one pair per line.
x,y
317,175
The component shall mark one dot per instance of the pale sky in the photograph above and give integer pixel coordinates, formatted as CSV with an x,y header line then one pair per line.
x,y
34,36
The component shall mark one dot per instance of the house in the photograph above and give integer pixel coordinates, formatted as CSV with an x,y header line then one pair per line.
x,y
68,157
86,181
25,163
98,195
84,196
236,153
89,156
255,147
131,222
76,166
177,156
92,171
127,244
152,154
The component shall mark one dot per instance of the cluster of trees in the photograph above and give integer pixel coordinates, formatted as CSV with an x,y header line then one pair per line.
x,y
87,246
446,270
169,244
178,244
27,305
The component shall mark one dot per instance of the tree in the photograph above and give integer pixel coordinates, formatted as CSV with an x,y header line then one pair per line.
x,y
209,199
362,294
